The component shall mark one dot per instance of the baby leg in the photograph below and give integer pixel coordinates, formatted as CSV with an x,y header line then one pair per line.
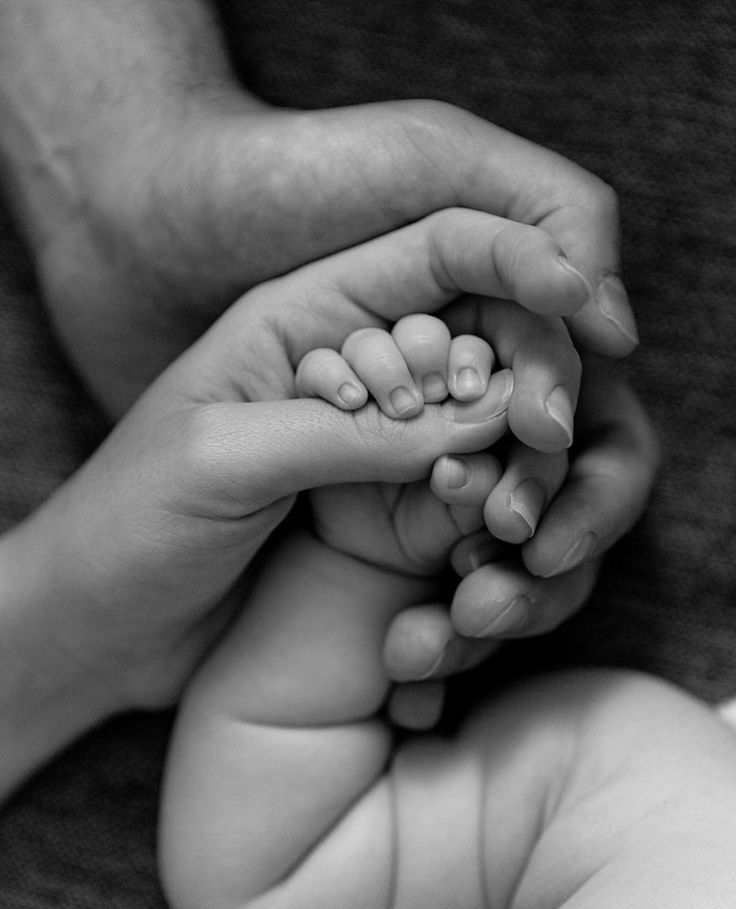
x,y
608,789
584,790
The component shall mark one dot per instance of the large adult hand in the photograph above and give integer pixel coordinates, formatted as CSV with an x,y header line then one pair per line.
x,y
154,190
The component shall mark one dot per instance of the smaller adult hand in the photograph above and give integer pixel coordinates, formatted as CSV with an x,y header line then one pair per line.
x,y
511,592
208,462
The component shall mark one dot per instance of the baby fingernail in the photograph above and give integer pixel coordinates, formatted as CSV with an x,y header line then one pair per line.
x,y
434,387
468,382
613,302
456,473
580,550
493,403
511,620
559,407
473,552
527,501
350,395
403,401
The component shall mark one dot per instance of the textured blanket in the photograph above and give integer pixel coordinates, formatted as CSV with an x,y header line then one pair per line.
x,y
643,95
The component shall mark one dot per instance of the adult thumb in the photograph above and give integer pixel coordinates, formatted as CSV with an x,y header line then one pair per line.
x,y
258,453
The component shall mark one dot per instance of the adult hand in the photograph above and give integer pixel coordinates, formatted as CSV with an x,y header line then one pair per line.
x,y
153,190
510,592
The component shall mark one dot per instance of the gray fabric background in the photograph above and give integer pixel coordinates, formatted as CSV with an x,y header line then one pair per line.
x,y
642,94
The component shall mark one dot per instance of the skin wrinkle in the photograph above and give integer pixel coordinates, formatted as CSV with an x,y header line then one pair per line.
x,y
433,112
514,255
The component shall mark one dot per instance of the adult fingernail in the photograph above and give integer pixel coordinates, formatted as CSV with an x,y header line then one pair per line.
x,y
582,286
514,618
434,387
350,395
559,407
613,302
527,501
456,472
469,383
493,404
403,401
434,666
582,549
472,552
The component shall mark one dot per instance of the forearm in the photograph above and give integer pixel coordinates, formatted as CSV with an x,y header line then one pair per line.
x,y
279,754
81,81
48,696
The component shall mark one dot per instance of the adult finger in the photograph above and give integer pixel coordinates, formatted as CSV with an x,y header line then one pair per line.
x,y
236,458
260,340
545,363
503,600
381,165
421,643
611,474
516,503
421,267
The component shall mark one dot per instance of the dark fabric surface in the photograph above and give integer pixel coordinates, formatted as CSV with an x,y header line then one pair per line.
x,y
645,96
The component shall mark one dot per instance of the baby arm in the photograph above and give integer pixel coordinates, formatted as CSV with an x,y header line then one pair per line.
x,y
279,752
272,781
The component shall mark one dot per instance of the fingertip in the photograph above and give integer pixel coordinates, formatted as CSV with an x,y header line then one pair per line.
x,y
470,362
467,384
473,551
403,403
543,423
606,325
415,643
558,406
523,507
434,388
351,396
549,564
537,272
613,303
449,474
492,405
576,290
